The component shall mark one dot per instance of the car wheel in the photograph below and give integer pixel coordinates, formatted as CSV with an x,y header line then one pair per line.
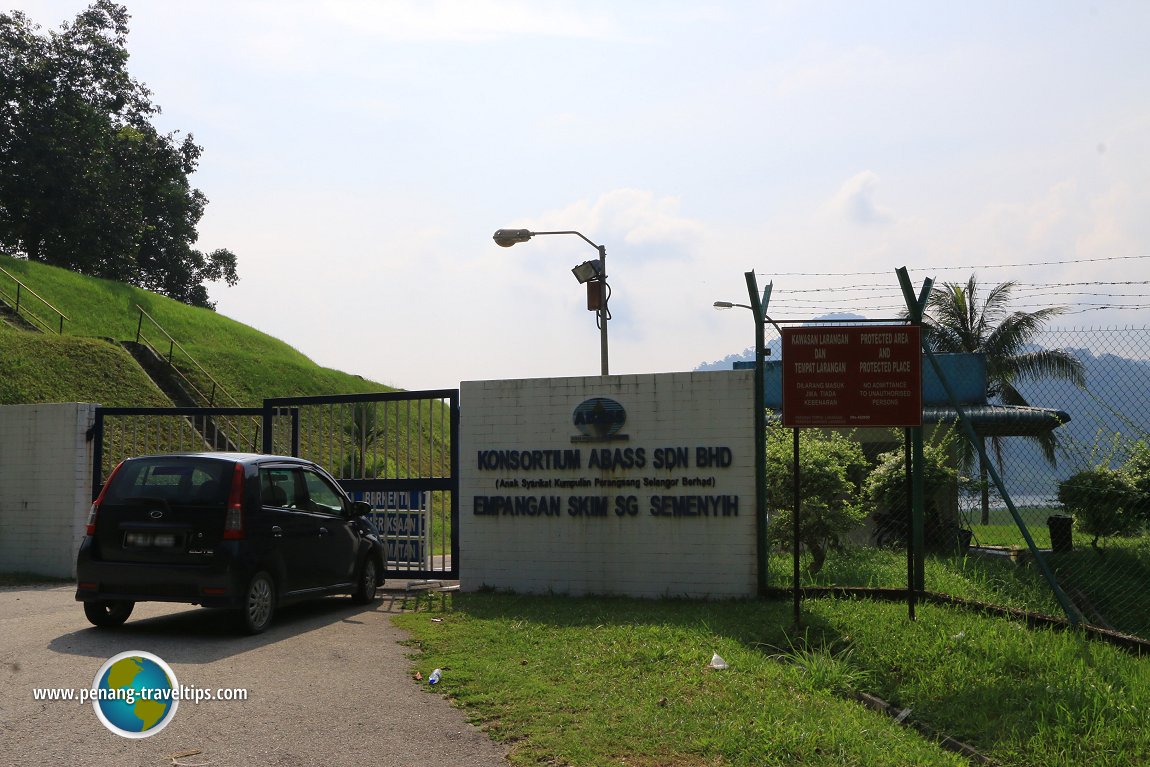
x,y
365,586
108,613
259,604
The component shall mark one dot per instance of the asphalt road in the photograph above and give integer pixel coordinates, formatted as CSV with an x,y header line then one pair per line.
x,y
328,684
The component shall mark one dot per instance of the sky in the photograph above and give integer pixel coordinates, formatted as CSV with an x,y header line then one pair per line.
x,y
359,154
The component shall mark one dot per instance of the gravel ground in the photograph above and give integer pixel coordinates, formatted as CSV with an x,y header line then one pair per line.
x,y
328,684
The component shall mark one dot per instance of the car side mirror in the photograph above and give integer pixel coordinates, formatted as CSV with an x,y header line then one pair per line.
x,y
360,508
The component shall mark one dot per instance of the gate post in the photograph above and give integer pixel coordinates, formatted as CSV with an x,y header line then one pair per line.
x,y
97,452
267,429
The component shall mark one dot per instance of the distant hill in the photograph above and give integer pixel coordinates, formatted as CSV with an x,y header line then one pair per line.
x,y
774,345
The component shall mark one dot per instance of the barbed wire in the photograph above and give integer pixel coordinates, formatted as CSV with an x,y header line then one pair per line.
x,y
963,268
1074,297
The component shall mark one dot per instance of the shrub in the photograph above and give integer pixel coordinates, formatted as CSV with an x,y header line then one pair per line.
x,y
1103,501
1137,470
886,491
833,468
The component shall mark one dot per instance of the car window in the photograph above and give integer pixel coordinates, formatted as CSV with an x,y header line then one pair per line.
x,y
323,496
278,487
178,480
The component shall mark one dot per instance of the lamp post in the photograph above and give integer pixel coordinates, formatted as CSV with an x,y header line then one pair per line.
x,y
593,273
758,307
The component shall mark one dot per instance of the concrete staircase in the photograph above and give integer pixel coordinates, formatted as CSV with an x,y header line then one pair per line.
x,y
9,316
160,371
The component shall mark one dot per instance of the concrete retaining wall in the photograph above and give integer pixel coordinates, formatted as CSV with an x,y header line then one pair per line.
x,y
45,486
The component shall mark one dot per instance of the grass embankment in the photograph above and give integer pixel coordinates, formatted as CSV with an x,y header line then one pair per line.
x,y
38,368
618,681
250,365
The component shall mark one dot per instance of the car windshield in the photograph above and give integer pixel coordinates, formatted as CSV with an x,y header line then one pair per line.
x,y
179,481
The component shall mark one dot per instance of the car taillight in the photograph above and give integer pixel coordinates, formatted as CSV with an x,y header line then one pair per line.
x,y
234,519
95,509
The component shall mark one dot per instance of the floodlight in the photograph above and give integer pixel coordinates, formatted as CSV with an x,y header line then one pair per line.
x,y
588,270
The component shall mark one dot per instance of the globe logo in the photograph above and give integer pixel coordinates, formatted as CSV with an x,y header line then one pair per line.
x,y
135,694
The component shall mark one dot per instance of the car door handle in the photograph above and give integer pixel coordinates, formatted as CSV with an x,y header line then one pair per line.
x,y
322,531
277,531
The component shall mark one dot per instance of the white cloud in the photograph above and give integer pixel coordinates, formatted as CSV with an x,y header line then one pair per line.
x,y
855,200
636,217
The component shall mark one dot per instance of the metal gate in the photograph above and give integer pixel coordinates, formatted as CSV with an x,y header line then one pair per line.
x,y
398,451
122,432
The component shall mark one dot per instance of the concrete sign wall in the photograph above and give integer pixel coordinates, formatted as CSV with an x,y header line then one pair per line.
x,y
45,486
637,485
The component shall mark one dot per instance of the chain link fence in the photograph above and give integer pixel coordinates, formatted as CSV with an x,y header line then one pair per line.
x,y
1075,465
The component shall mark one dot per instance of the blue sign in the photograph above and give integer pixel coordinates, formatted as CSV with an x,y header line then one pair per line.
x,y
400,524
401,520
408,553
384,499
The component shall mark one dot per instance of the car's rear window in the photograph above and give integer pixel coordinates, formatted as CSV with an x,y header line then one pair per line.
x,y
186,481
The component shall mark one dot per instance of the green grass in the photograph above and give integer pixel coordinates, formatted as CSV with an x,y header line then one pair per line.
x,y
998,580
616,681
38,368
1001,530
250,365
1110,584
1107,585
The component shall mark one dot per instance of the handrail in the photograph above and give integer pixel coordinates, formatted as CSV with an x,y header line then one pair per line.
x,y
173,344
20,285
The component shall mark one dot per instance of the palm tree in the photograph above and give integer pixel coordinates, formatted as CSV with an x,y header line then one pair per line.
x,y
956,322
364,428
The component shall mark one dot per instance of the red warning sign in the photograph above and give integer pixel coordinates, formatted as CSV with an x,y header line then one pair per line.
x,y
852,375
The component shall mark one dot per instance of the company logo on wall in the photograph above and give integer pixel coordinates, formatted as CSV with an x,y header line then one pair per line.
x,y
599,420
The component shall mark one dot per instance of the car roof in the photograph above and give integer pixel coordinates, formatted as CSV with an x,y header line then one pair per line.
x,y
230,457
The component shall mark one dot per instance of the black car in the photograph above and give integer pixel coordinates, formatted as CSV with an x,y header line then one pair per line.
x,y
233,530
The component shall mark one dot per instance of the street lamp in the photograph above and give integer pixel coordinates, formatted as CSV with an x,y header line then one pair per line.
x,y
758,307
592,273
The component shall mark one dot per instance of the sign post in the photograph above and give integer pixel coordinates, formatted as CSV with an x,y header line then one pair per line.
x,y
838,376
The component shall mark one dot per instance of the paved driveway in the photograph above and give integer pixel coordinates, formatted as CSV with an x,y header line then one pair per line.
x,y
328,684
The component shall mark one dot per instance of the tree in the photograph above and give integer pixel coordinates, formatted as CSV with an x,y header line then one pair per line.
x,y
86,181
955,322
364,429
